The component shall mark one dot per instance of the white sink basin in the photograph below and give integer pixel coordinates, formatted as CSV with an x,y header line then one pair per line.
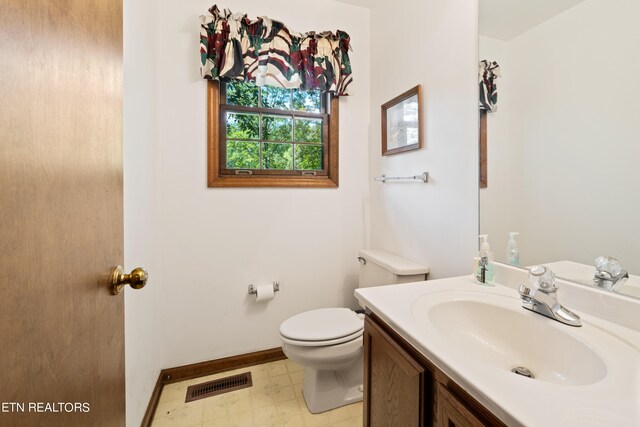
x,y
507,338
585,376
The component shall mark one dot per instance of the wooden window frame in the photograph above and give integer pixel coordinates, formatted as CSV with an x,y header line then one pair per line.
x,y
220,177
484,182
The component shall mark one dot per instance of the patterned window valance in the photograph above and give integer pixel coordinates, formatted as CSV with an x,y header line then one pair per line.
x,y
489,72
265,51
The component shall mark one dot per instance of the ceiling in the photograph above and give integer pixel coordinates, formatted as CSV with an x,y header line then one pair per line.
x,y
505,19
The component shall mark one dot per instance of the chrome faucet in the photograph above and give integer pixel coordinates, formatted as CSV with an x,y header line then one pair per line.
x,y
609,273
540,297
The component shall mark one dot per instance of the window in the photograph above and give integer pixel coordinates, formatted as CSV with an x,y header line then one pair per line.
x,y
271,137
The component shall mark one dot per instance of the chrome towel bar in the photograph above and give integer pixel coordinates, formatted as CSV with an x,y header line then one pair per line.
x,y
424,177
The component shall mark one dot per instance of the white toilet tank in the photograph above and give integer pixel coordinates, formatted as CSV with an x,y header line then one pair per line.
x,y
379,268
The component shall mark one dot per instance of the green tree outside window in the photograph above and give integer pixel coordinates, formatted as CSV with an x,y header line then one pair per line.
x,y
251,135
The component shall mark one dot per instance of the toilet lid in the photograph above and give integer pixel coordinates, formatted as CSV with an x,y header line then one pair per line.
x,y
322,325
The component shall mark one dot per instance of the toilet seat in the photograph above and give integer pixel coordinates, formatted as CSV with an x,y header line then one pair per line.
x,y
322,327
335,341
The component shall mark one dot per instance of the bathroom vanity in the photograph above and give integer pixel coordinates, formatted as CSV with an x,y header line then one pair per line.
x,y
444,352
403,387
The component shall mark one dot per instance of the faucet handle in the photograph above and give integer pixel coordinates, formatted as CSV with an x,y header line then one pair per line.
x,y
543,278
609,273
607,264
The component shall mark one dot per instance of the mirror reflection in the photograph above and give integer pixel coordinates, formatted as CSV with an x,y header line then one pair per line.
x,y
563,144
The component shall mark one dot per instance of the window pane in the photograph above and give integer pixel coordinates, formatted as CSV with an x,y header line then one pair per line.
x,y
243,155
242,94
308,157
308,130
243,126
276,128
275,97
277,156
306,100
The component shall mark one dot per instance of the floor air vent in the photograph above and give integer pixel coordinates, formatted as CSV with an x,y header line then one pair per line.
x,y
220,386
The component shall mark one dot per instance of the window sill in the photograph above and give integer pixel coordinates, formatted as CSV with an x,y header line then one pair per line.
x,y
250,181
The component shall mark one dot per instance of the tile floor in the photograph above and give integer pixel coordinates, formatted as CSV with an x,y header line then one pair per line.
x,y
275,400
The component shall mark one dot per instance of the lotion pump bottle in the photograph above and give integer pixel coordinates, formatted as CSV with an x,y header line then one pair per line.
x,y
485,273
513,254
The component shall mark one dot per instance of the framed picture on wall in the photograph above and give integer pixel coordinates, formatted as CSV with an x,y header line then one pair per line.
x,y
402,122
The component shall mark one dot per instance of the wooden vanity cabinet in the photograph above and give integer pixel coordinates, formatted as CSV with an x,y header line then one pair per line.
x,y
451,412
403,388
394,381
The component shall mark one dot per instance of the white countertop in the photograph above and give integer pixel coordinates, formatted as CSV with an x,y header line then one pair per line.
x,y
583,274
611,401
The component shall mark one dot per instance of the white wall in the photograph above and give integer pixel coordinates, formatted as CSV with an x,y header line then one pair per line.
x,y
574,113
204,246
434,43
142,315
215,242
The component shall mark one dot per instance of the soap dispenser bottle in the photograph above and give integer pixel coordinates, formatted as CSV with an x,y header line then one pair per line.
x,y
513,254
485,274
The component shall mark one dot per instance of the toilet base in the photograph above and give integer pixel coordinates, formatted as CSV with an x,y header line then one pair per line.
x,y
324,390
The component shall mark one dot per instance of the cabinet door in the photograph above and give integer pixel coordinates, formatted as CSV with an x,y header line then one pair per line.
x,y
452,412
394,382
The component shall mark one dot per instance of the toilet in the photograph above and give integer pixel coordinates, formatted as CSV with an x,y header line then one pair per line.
x,y
327,342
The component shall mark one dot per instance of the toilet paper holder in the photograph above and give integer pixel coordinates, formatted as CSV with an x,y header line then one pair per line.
x,y
254,291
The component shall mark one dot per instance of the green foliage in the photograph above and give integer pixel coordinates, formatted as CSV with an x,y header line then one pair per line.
x,y
304,100
274,97
243,94
248,94
308,130
279,156
308,157
243,155
276,128
243,126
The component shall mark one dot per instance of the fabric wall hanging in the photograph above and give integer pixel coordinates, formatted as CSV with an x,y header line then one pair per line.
x,y
488,73
267,52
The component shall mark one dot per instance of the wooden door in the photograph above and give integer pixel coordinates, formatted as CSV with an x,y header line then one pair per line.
x,y
61,332
394,382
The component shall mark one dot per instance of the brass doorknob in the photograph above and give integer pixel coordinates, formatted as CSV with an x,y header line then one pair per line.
x,y
137,279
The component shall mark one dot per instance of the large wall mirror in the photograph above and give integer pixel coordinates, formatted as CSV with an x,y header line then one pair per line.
x,y
564,143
